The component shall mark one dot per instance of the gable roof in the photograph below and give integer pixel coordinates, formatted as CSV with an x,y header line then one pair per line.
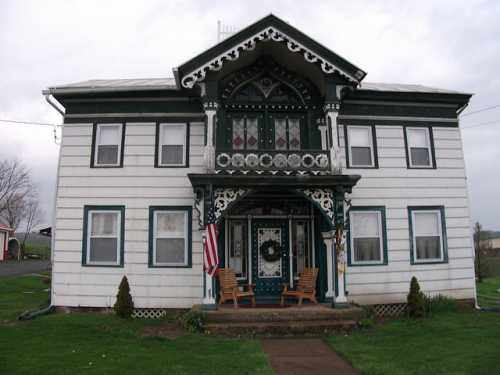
x,y
269,28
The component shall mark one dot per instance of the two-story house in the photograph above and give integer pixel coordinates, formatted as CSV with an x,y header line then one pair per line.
x,y
285,140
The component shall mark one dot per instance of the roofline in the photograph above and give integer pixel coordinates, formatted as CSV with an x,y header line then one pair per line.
x,y
88,90
269,21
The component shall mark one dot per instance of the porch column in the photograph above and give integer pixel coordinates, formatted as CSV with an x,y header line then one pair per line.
x,y
340,250
324,134
209,152
331,114
328,238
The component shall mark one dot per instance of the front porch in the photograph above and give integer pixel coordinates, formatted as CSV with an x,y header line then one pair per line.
x,y
301,216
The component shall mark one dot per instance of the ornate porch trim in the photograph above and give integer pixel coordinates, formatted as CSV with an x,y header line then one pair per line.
x,y
267,34
324,198
223,198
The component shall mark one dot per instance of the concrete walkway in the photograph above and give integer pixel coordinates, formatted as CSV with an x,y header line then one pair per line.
x,y
299,356
13,267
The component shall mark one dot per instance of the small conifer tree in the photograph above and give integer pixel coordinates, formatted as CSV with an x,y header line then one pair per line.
x,y
124,305
416,300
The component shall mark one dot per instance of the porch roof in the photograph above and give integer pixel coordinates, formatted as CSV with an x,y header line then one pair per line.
x,y
339,182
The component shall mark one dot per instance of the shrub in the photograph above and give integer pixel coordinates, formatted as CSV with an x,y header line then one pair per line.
x,y
366,323
124,305
416,300
440,303
193,321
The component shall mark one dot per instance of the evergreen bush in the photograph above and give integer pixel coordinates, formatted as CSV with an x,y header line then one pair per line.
x,y
416,300
124,305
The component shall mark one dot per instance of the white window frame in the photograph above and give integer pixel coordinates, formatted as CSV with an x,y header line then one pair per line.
x,y
162,126
414,236
98,140
349,149
118,238
429,146
381,237
174,235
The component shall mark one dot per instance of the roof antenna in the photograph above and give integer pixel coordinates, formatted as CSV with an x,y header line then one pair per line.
x,y
224,31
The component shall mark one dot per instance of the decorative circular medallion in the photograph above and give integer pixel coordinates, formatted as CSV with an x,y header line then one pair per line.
x,y
322,161
266,160
270,251
308,161
238,160
279,161
252,160
223,160
294,160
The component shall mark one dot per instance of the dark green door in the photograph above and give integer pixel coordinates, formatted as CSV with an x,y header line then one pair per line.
x,y
269,270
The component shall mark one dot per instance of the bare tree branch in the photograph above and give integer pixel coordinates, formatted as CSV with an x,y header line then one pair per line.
x,y
15,183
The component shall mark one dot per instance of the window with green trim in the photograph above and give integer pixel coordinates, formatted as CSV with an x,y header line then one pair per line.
x,y
170,236
108,145
427,234
103,237
367,236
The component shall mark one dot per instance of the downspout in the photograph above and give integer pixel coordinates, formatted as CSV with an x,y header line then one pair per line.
x,y
27,315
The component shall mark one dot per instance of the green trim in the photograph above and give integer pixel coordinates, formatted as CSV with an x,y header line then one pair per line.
x,y
385,258
152,210
94,136
157,144
431,141
268,21
86,210
413,261
374,142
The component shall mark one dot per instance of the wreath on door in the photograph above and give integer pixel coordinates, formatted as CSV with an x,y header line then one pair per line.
x,y
270,250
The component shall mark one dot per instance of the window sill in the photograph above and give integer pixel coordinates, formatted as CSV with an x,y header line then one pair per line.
x,y
367,264
102,265
170,266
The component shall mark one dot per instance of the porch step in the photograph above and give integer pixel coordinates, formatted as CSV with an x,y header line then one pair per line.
x,y
280,328
314,313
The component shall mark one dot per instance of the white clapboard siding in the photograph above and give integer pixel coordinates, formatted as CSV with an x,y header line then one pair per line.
x,y
136,186
396,187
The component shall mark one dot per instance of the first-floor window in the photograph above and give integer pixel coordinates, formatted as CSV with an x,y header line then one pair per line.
x,y
170,229
367,230
103,242
427,228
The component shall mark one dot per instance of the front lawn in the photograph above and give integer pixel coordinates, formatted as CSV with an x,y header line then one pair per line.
x,y
91,343
454,343
488,292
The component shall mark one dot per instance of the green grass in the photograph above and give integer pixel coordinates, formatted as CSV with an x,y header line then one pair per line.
x,y
488,292
42,251
453,343
91,343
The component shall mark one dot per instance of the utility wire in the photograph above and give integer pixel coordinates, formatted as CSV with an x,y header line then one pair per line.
x,y
28,122
481,110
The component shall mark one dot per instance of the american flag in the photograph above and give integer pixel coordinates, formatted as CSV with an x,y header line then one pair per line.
x,y
210,253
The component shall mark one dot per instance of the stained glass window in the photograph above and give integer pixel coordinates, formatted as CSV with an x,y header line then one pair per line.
x,y
287,134
245,133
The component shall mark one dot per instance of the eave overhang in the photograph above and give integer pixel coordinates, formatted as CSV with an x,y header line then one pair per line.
x,y
340,183
269,28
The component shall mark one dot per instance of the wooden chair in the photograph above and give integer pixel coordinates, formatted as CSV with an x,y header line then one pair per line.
x,y
229,289
306,287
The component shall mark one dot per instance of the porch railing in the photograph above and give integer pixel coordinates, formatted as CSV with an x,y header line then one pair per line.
x,y
273,160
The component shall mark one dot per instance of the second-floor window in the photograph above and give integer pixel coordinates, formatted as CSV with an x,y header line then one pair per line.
x,y
419,147
360,147
172,145
108,145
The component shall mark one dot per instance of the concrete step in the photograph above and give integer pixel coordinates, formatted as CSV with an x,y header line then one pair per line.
x,y
291,314
313,328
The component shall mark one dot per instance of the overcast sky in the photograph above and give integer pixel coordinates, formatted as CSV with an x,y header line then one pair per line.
x,y
446,44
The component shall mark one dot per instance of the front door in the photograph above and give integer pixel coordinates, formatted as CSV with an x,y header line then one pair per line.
x,y
270,262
